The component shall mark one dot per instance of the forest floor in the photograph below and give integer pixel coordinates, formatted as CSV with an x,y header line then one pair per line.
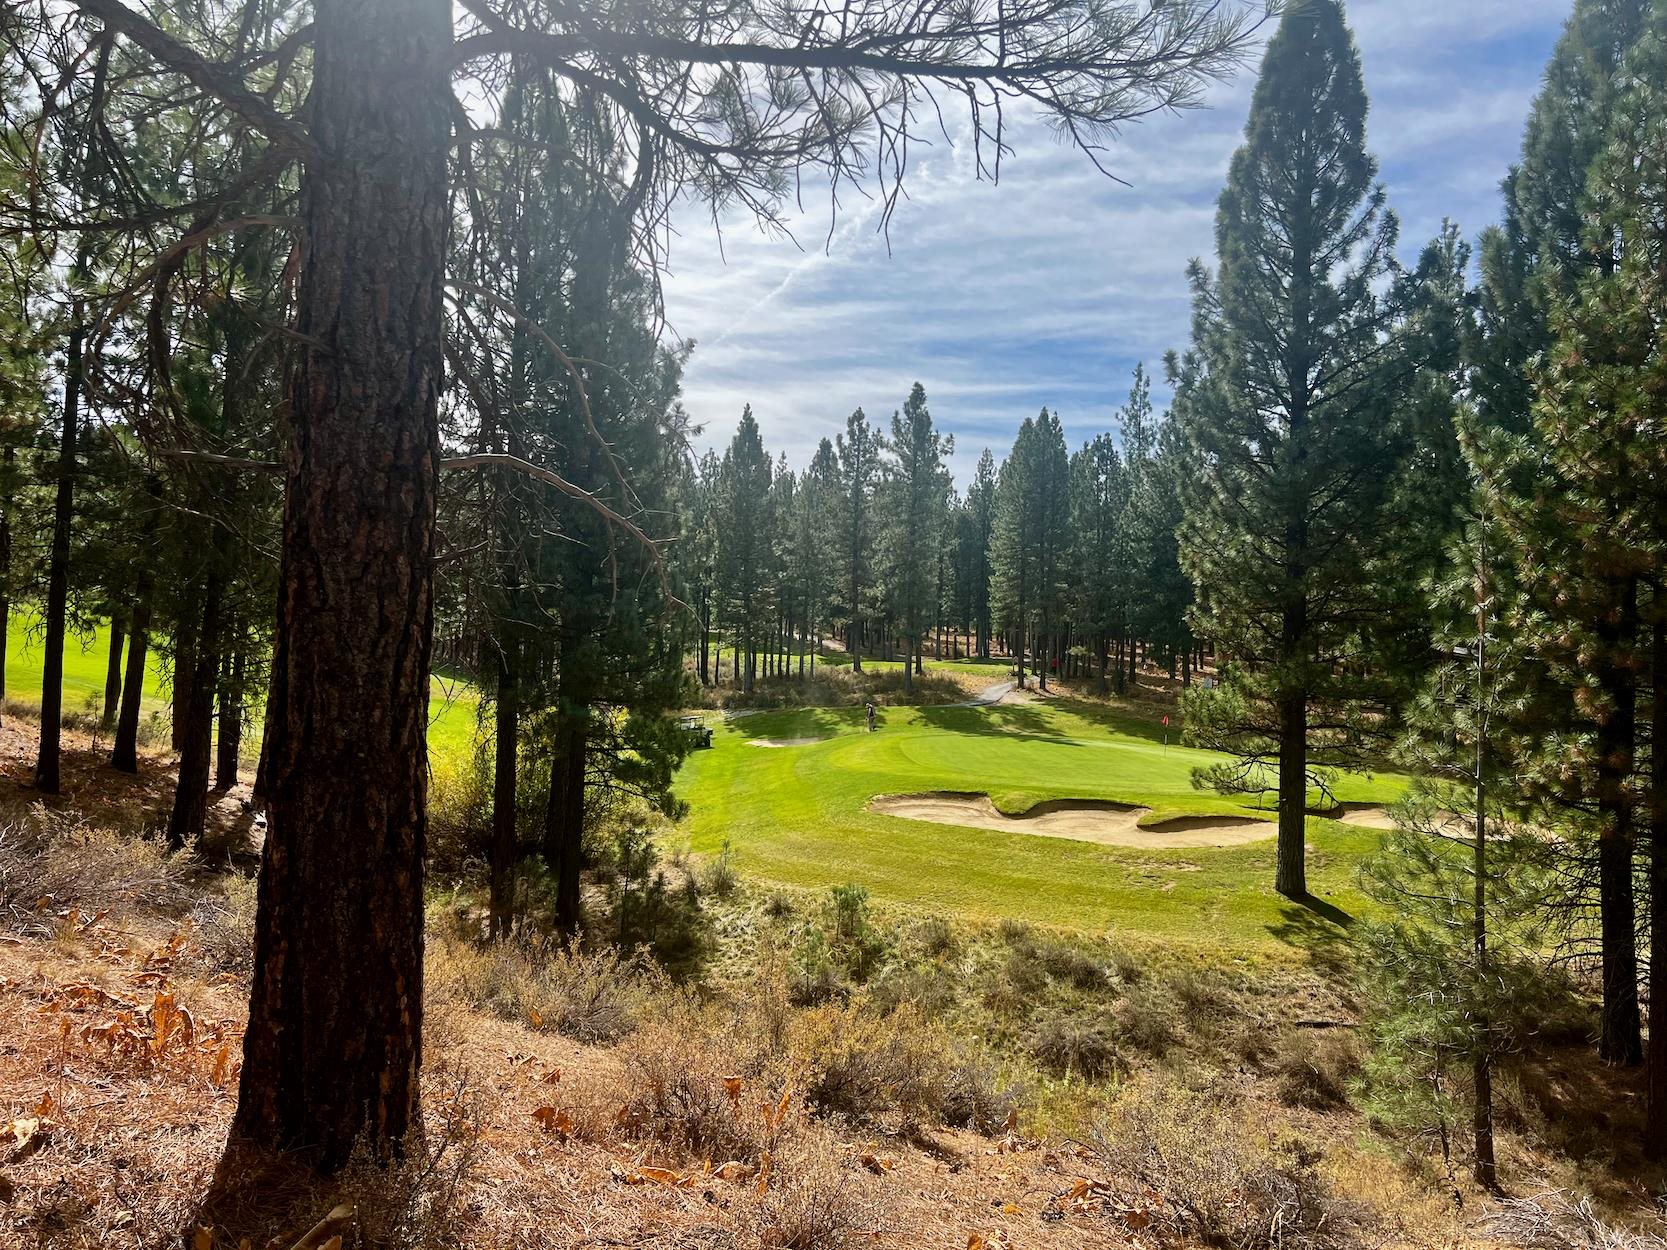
x,y
991,1088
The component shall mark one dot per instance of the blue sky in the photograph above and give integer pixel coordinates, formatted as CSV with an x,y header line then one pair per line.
x,y
1048,288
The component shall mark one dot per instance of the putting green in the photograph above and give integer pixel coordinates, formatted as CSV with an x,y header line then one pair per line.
x,y
799,815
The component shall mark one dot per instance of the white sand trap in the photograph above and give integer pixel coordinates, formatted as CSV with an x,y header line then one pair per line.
x,y
1369,815
1081,820
783,742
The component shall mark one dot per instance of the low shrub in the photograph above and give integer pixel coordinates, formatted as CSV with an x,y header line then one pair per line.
x,y
49,866
590,996
1315,1070
1075,1044
890,1072
1149,1020
817,1200
1195,1165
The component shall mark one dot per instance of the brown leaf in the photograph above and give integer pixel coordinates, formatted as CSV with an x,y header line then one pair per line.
x,y
30,1134
732,1087
202,1239
8,1191
554,1120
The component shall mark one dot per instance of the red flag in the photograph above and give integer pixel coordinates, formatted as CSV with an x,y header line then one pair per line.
x,y
1166,720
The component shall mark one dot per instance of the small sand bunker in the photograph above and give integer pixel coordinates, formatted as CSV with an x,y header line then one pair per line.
x,y
1369,815
783,742
1080,820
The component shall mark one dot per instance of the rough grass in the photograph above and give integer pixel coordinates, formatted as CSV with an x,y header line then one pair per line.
x,y
453,710
798,816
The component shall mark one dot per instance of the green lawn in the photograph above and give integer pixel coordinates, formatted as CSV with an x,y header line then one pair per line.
x,y
797,815
453,704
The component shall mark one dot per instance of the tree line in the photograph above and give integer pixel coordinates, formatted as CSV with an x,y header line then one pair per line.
x,y
1064,561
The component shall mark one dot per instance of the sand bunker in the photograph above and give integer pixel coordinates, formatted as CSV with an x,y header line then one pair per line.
x,y
783,742
1081,820
1369,815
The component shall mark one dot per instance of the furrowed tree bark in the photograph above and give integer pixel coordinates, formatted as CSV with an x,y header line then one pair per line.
x,y
6,469
229,748
333,1046
1619,1041
1655,1108
113,676
47,762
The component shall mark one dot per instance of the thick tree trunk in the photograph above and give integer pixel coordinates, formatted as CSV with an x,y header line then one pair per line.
x,y
196,729
1291,875
1655,1111
333,1045
6,469
1618,1040
113,676
57,578
507,737
564,820
229,747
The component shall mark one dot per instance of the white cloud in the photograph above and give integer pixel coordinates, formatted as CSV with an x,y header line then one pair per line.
x,y
1048,288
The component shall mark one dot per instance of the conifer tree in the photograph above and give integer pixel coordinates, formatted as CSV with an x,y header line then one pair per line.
x,y
1289,411
980,511
746,534
858,452
916,496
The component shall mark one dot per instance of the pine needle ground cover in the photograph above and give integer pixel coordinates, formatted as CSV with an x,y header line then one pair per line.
x,y
798,816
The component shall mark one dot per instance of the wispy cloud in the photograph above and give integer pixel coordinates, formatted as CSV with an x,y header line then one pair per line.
x,y
1048,288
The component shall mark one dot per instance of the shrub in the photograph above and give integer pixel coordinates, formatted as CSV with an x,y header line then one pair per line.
x,y
50,865
889,1071
779,906
1148,1020
224,926
816,1203
857,946
590,996
1559,1221
1314,1071
936,939
975,1096
1075,1044
1196,1166
719,878
654,908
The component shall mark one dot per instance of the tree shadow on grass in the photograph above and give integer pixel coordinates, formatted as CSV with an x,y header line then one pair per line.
x,y
1321,929
1005,720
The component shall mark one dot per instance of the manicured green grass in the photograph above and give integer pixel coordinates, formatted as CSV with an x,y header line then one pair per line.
x,y
453,704
797,816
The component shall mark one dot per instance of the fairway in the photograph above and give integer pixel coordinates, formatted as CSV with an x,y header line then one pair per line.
x,y
800,815
452,710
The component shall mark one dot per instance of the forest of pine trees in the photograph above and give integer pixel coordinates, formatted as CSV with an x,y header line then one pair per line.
x,y
313,381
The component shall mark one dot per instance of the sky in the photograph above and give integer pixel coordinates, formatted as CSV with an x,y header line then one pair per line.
x,y
1049,287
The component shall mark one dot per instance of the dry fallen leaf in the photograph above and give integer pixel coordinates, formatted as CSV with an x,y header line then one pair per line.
x,y
202,1239
29,1134
554,1120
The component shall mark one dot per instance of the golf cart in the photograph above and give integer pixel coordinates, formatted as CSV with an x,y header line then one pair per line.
x,y
697,731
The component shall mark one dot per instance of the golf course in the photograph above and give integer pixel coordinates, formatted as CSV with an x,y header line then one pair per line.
x,y
793,796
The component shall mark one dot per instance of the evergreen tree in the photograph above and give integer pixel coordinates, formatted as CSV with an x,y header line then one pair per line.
x,y
980,510
1289,411
858,451
744,553
1099,557
916,495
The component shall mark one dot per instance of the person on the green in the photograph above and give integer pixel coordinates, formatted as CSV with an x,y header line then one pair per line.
x,y
870,706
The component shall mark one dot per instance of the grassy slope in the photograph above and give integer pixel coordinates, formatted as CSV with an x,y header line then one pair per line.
x,y
797,815
452,707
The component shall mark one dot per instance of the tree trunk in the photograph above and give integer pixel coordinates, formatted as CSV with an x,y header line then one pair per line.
x,y
334,1040
507,737
1291,876
6,469
57,579
124,750
1655,1111
112,677
196,727
230,746
1618,1041
564,819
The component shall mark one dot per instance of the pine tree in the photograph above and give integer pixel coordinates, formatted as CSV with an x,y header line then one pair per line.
x,y
981,520
858,451
1099,558
1288,411
915,495
744,552
1592,546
